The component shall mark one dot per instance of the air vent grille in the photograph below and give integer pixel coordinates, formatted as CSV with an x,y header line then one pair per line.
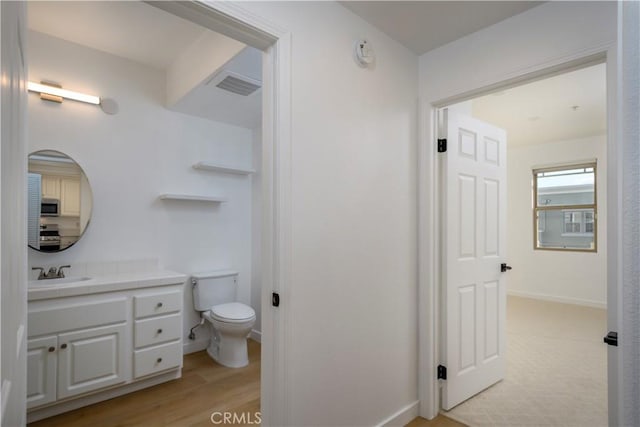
x,y
238,86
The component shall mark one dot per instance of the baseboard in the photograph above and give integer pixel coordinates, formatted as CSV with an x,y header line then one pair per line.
x,y
190,346
403,417
563,300
256,335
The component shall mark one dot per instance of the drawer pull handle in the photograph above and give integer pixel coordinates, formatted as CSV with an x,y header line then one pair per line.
x,y
52,349
159,331
159,360
63,346
159,305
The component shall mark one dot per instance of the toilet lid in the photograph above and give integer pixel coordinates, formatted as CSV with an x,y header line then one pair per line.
x,y
232,311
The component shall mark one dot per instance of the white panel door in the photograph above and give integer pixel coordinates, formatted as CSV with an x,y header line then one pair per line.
x,y
91,359
474,227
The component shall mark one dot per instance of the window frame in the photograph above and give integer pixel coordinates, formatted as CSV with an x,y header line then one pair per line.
x,y
564,208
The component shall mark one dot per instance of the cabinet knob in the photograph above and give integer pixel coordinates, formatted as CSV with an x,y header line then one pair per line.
x,y
159,331
63,346
159,305
159,360
51,349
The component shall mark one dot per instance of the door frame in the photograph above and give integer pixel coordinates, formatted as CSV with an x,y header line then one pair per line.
x,y
430,245
234,21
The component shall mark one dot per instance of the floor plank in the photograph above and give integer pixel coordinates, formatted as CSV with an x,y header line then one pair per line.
x,y
205,387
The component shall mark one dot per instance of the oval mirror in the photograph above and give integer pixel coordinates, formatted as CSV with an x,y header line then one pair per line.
x,y
60,201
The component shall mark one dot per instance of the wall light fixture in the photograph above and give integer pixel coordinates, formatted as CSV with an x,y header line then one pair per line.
x,y
55,93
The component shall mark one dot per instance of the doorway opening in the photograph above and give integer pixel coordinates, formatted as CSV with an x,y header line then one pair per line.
x,y
549,311
209,118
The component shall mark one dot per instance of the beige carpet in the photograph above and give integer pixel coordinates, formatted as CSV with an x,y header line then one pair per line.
x,y
556,370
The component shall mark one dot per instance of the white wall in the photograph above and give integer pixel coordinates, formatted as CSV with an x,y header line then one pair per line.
x,y
572,277
352,352
134,156
532,40
543,37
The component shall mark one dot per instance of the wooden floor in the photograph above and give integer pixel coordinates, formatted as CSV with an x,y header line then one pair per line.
x,y
439,421
205,388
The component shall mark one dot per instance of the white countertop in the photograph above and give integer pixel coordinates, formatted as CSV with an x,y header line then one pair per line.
x,y
40,289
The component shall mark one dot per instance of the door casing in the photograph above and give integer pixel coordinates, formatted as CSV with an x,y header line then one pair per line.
x,y
430,182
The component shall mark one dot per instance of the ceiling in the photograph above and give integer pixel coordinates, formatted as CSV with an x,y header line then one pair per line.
x,y
425,25
150,36
128,29
208,101
543,111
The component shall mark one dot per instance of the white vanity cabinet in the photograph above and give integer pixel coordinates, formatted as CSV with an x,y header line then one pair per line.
x,y
42,362
84,348
157,332
76,345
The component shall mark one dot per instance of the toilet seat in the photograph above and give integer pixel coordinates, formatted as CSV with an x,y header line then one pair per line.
x,y
233,312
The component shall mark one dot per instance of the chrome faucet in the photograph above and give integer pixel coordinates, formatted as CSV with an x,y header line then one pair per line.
x,y
60,272
53,273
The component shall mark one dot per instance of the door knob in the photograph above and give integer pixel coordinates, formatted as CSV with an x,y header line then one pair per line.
x,y
504,267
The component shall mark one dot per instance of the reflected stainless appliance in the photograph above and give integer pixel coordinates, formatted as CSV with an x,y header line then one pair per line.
x,y
49,238
50,207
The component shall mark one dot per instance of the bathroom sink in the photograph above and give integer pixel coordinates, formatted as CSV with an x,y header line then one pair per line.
x,y
54,282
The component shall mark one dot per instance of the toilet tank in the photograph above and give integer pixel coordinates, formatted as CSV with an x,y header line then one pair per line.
x,y
213,288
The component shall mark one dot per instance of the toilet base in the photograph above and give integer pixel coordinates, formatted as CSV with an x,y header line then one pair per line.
x,y
230,351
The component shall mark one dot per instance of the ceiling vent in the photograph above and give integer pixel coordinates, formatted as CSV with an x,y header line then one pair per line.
x,y
236,83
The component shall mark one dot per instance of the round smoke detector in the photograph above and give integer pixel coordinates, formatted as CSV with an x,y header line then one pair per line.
x,y
364,54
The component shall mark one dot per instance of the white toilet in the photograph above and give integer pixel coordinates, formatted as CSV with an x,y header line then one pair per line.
x,y
214,294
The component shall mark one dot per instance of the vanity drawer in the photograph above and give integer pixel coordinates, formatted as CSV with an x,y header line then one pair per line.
x,y
77,315
160,303
157,330
157,359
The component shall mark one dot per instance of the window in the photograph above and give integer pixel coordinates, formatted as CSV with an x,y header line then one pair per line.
x,y
565,208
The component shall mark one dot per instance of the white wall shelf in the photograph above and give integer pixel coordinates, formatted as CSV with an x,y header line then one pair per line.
x,y
219,168
193,198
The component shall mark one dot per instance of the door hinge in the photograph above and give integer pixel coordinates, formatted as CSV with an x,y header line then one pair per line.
x,y
442,145
275,299
442,372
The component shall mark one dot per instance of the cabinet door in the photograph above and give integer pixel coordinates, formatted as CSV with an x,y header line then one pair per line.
x,y
41,371
91,359
50,187
70,197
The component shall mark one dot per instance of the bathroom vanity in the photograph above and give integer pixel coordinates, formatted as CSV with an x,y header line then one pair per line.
x,y
94,338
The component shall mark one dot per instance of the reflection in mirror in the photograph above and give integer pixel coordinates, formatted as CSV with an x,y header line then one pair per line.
x,y
60,201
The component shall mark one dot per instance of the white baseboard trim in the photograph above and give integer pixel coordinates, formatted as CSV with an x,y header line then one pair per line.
x,y
403,417
256,335
563,300
196,345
